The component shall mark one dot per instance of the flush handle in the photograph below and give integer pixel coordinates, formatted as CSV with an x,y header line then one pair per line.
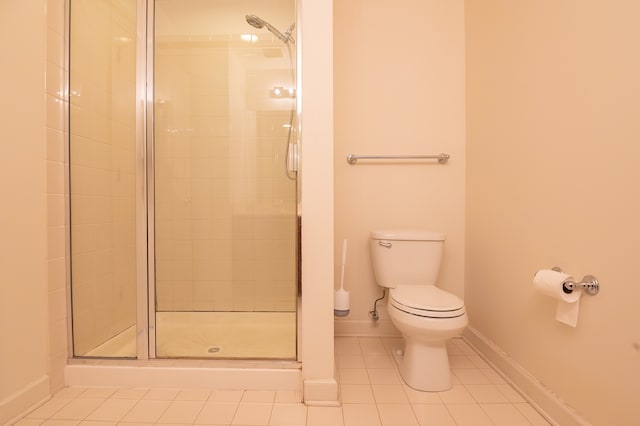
x,y
384,244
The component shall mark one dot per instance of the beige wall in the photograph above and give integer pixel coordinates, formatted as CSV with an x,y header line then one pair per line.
x,y
24,378
552,179
399,89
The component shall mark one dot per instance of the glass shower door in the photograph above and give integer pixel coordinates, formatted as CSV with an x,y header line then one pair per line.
x,y
224,187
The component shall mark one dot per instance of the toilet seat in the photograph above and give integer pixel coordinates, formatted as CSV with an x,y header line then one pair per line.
x,y
426,301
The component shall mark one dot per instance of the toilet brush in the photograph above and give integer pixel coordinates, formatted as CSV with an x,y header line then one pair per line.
x,y
341,297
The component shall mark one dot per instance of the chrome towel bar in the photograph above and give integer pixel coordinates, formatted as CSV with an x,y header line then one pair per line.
x,y
353,159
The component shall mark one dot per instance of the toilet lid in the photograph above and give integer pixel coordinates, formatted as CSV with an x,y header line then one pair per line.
x,y
427,301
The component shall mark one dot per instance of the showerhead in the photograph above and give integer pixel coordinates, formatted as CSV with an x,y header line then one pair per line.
x,y
257,22
254,21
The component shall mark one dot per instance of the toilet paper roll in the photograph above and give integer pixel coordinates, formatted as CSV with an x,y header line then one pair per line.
x,y
549,282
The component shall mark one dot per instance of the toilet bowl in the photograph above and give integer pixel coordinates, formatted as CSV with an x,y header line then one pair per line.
x,y
407,261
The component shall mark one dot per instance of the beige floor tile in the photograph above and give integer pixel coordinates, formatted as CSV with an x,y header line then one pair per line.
x,y
78,409
28,422
486,394
162,394
384,376
419,397
181,412
354,376
112,410
288,396
288,414
433,415
258,396
356,394
469,415
471,376
146,411
252,413
478,361
531,414
366,375
71,392
347,346
49,408
132,393
389,394
105,392
372,345
378,360
350,361
360,415
397,415
494,378
460,361
173,424
324,416
217,413
224,395
510,393
458,394
505,415
193,395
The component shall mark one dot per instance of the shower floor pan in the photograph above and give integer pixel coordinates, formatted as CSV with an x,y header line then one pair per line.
x,y
222,335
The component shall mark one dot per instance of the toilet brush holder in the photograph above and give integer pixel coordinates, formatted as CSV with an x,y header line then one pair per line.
x,y
341,303
341,297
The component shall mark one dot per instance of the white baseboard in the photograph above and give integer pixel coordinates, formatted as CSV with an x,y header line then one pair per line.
x,y
555,410
22,402
321,393
381,328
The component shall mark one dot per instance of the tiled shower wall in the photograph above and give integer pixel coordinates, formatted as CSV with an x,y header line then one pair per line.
x,y
225,210
102,96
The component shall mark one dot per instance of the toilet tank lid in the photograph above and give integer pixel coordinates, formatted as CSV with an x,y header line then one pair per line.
x,y
407,234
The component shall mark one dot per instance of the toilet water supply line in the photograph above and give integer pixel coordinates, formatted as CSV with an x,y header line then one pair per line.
x,y
374,313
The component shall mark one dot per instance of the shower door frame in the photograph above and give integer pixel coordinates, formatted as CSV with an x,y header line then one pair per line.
x,y
145,181
146,313
143,170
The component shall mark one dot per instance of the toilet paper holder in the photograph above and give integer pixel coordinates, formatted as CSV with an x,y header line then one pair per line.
x,y
589,284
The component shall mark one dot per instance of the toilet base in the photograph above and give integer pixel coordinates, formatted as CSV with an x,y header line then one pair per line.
x,y
424,366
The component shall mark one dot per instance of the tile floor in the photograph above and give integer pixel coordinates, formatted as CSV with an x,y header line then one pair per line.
x,y
372,393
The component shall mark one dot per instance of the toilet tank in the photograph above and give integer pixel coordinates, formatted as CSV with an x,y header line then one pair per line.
x,y
406,256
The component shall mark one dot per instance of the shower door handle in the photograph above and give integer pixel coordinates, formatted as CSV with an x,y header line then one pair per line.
x,y
292,157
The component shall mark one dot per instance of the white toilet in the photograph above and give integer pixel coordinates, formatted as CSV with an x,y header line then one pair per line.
x,y
406,261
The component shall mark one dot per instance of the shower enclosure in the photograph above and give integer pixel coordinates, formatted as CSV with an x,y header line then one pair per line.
x,y
183,179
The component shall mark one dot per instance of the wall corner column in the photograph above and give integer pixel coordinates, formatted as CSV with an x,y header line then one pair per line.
x,y
315,40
